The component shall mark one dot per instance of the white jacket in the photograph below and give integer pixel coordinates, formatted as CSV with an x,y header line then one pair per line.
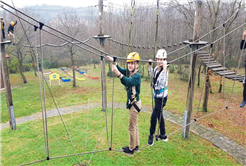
x,y
161,82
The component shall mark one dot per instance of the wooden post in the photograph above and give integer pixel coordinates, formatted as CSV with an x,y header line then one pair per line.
x,y
196,34
1,77
7,85
1,71
103,75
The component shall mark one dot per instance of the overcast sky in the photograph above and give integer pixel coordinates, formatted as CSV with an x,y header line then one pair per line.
x,y
73,3
80,3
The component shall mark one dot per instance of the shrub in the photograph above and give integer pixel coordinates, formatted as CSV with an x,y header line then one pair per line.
x,y
185,76
26,67
13,66
171,69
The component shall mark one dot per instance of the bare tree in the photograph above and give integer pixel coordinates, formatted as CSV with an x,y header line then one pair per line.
x,y
69,23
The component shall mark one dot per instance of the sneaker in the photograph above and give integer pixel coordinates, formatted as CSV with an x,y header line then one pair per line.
x,y
151,140
127,151
136,150
163,138
243,104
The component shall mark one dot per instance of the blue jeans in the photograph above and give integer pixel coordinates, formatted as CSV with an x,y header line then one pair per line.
x,y
157,114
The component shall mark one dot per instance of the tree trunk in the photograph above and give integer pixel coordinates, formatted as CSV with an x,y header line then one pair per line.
x,y
21,71
199,71
220,85
34,65
74,80
205,101
210,87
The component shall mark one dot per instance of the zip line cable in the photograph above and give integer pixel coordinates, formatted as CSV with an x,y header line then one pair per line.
x,y
40,92
122,57
118,58
44,97
32,52
53,45
146,47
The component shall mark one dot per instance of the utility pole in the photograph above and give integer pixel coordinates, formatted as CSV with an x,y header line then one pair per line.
x,y
101,39
7,85
194,45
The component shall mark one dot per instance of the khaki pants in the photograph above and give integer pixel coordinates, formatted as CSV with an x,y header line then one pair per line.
x,y
133,126
11,37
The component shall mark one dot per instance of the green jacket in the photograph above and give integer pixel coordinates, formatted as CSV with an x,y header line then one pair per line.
x,y
130,82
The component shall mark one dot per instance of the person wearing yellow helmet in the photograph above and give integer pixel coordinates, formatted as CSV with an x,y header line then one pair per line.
x,y
11,31
133,84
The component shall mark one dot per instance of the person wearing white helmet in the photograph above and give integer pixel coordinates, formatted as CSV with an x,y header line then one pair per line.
x,y
159,84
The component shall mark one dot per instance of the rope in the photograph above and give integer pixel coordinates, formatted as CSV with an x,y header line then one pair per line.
x,y
96,145
104,110
109,54
62,146
45,116
52,45
156,30
112,113
224,69
204,80
40,92
200,118
204,34
143,47
130,30
42,113
87,122
61,118
41,97
33,162
30,44
51,27
78,154
207,44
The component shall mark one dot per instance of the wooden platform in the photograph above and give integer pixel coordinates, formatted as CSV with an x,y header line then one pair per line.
x,y
218,68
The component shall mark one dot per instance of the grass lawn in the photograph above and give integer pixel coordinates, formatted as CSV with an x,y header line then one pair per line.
x,y
26,144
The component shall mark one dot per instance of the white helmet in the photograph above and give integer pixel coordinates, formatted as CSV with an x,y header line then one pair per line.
x,y
161,54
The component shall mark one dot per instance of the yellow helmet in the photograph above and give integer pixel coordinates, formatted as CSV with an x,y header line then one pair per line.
x,y
132,57
12,23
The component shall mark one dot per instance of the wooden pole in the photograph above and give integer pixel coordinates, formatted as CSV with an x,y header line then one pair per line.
x,y
7,85
196,34
103,74
1,71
